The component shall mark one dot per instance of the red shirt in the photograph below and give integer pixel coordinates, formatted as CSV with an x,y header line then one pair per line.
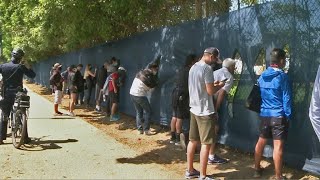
x,y
115,77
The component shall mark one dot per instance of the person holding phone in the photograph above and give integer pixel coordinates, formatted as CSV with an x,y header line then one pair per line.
x,y
225,74
202,86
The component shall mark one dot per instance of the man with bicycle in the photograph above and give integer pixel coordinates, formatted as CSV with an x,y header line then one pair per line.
x,y
12,73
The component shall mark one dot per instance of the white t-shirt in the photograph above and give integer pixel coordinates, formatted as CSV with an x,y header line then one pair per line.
x,y
201,103
222,74
138,88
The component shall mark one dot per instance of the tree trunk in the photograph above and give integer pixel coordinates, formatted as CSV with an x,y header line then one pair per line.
x,y
198,9
207,9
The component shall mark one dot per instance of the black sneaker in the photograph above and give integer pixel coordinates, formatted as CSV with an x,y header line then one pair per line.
x,y
173,140
27,140
217,160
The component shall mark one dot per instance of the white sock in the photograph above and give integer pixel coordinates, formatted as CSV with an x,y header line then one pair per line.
x,y
98,107
211,156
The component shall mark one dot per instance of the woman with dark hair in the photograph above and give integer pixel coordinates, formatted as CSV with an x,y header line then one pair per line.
x,y
89,78
180,99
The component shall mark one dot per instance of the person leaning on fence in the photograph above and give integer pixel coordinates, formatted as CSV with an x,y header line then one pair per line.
x,y
275,111
101,78
65,75
111,89
225,73
112,67
114,89
56,81
180,100
202,87
314,109
144,81
89,78
51,73
80,85
73,89
12,74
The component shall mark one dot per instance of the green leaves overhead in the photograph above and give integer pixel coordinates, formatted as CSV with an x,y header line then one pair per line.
x,y
45,28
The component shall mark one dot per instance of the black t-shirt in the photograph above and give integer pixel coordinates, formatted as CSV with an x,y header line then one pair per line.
x,y
13,74
102,76
181,81
56,80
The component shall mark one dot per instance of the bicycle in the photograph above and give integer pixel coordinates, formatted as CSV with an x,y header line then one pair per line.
x,y
18,117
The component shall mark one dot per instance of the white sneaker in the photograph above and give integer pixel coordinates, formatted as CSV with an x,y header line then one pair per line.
x,y
140,131
148,133
72,114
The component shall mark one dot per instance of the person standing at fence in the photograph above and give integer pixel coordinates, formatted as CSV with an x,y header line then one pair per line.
x,y
112,67
144,81
56,81
73,89
180,100
51,85
225,73
314,109
89,78
275,111
101,78
65,75
80,85
114,90
202,112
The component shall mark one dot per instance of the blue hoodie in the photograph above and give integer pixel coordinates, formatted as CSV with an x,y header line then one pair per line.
x,y
275,93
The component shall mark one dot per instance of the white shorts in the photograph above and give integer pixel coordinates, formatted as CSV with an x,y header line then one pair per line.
x,y
58,96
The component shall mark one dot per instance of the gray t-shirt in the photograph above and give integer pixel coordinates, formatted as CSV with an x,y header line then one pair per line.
x,y
201,103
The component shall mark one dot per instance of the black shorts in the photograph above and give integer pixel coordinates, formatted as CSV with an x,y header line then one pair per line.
x,y
180,105
273,127
113,97
72,89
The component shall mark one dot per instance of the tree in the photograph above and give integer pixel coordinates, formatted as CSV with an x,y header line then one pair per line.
x,y
47,28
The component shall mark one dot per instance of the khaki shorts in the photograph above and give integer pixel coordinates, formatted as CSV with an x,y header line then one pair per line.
x,y
58,96
202,128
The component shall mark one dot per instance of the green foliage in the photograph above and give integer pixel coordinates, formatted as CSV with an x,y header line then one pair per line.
x,y
45,28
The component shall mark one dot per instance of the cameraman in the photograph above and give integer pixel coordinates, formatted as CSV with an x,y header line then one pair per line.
x,y
12,73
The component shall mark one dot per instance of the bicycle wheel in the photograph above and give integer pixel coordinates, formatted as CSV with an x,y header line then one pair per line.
x,y
19,128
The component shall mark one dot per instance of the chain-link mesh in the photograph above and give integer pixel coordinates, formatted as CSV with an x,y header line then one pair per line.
x,y
246,34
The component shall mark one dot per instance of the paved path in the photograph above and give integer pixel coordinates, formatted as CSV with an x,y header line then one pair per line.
x,y
70,148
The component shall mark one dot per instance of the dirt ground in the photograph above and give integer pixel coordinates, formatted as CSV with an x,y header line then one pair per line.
x,y
157,149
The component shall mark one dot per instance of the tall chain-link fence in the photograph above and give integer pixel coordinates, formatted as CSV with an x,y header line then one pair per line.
x,y
246,34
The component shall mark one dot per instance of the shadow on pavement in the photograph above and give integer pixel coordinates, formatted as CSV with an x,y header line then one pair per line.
x,y
156,156
58,117
40,145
